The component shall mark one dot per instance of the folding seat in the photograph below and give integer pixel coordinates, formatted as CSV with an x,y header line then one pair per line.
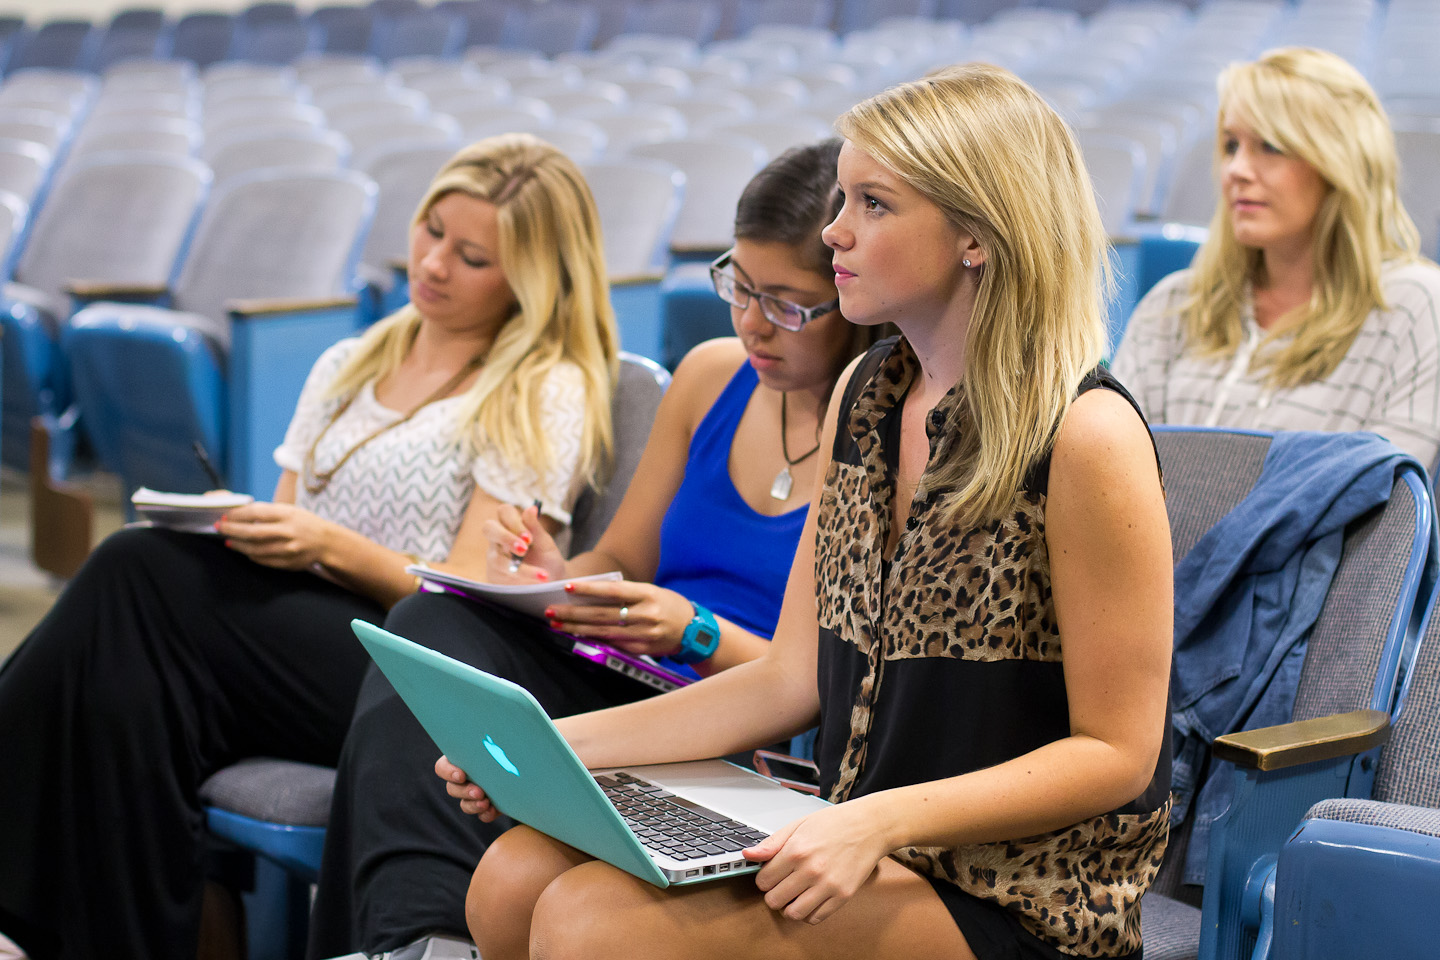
x,y
246,115
277,41
519,115
1192,195
858,14
116,218
642,123
341,29
552,28
656,48
638,200
233,80
797,13
58,44
517,66
328,92
120,43
1358,876
1418,145
403,171
691,19
583,141
367,140
474,89
420,33
50,130
594,98
270,11
484,22
319,150
716,172
144,132
1362,640
138,18
203,38
1156,136
24,166
317,71
394,8
775,134
1117,170
707,108
267,285
176,105
165,76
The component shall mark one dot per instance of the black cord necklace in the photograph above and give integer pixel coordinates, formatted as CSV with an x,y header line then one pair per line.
x,y
784,482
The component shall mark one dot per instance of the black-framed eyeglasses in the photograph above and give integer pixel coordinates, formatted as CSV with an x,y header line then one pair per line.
x,y
783,313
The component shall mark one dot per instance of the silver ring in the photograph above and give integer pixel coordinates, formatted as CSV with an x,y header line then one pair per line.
x,y
624,612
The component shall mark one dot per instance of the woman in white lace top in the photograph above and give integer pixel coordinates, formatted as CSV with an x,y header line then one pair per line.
x,y
172,655
1309,307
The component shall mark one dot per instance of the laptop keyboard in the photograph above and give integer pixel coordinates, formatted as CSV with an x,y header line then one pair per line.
x,y
673,825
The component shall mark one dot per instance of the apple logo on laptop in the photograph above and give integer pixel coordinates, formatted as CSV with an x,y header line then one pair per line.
x,y
499,755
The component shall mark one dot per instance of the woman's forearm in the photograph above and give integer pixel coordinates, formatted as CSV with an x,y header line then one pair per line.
x,y
755,704
364,566
1054,786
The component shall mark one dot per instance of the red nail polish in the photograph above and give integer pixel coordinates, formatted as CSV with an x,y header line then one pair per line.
x,y
228,543
519,546
550,613
541,575
527,537
569,588
556,624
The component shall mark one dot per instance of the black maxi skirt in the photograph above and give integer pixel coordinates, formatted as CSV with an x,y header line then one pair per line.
x,y
167,658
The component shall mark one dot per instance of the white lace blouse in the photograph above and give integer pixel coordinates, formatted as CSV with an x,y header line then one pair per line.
x,y
408,488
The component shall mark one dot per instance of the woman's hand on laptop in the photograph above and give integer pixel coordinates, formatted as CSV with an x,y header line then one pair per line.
x,y
815,864
639,618
472,798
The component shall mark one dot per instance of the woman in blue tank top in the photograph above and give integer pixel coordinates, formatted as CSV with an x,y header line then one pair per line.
x,y
704,539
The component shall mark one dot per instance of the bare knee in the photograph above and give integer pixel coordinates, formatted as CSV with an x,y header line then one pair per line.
x,y
595,912
511,876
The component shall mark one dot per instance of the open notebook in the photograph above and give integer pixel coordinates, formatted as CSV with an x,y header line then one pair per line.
x,y
532,599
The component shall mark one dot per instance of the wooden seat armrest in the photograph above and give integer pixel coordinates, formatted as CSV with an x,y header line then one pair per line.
x,y
636,279
1305,741
261,307
123,292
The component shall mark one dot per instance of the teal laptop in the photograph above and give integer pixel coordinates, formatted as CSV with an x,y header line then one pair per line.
x,y
664,823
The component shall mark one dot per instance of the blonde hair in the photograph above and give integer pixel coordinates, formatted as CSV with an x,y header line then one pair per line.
x,y
1313,106
986,149
554,260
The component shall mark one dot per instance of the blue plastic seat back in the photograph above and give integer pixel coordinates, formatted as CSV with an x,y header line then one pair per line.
x,y
173,385
59,44
203,38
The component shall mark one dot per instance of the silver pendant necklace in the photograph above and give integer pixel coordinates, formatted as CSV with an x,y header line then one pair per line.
x,y
782,485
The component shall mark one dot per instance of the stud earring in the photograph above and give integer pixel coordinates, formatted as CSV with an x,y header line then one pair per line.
x,y
966,262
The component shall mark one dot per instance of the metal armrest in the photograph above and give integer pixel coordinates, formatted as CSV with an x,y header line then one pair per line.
x,y
1305,741
262,307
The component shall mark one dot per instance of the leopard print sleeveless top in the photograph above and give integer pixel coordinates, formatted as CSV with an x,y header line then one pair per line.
x,y
947,659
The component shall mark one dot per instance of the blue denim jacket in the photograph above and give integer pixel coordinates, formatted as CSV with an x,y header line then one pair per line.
x,y
1246,597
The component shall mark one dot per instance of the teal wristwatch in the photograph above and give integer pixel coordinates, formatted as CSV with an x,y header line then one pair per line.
x,y
701,639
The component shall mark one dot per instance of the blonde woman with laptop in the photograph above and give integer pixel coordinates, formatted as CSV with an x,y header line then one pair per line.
x,y
171,655
979,614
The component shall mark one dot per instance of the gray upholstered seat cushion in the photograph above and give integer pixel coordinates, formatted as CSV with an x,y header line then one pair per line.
x,y
1397,816
277,791
1170,929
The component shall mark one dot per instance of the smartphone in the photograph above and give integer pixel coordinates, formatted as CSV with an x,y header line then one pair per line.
x,y
797,774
